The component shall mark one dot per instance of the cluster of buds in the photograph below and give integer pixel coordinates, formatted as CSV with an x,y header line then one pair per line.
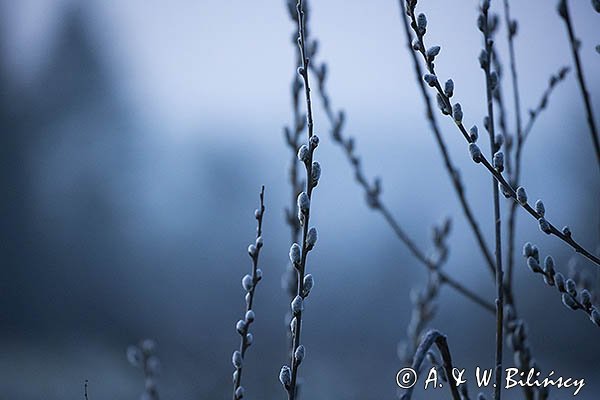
x,y
143,356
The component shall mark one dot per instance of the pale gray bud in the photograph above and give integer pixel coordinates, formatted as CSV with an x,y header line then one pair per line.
x,y
521,195
249,317
499,141
527,249
134,356
240,326
539,207
533,264
473,133
549,265
247,283
259,274
569,302
239,392
249,339
259,242
257,214
252,250
303,153
544,226
303,203
422,24
285,376
566,231
483,59
299,354
297,305
432,52
316,172
295,254
449,88
586,298
314,141
560,281
457,112
595,317
293,325
571,287
247,298
430,79
311,238
308,284
475,152
236,359
499,161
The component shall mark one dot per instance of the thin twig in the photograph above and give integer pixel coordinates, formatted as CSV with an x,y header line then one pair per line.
x,y
563,10
434,337
249,282
85,390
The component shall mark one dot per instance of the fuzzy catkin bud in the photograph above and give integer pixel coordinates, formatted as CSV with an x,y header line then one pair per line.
x,y
249,317
416,45
252,250
430,79
533,265
316,172
521,195
314,141
566,231
499,161
236,359
303,203
539,207
483,59
299,354
240,326
527,249
544,226
560,281
432,52
571,287
297,305
293,325
549,265
586,298
308,284
259,274
422,24
569,302
449,88
475,152
303,153
295,254
285,376
239,392
499,141
247,283
249,339
457,112
259,242
311,238
473,133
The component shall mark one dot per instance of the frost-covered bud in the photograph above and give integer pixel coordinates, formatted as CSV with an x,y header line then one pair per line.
x,y
316,173
483,59
314,141
311,238
566,231
499,161
539,207
432,52
527,250
473,133
449,88
430,79
297,305
295,254
303,153
134,356
247,283
569,302
493,80
259,274
457,112
535,252
285,376
475,152
239,392
533,264
421,24
308,284
252,250
236,359
549,265
544,226
560,281
416,45
521,195
249,317
299,354
293,325
249,339
571,287
586,298
499,141
240,326
303,203
595,317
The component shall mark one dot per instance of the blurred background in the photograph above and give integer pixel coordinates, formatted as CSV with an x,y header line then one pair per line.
x,y
135,138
